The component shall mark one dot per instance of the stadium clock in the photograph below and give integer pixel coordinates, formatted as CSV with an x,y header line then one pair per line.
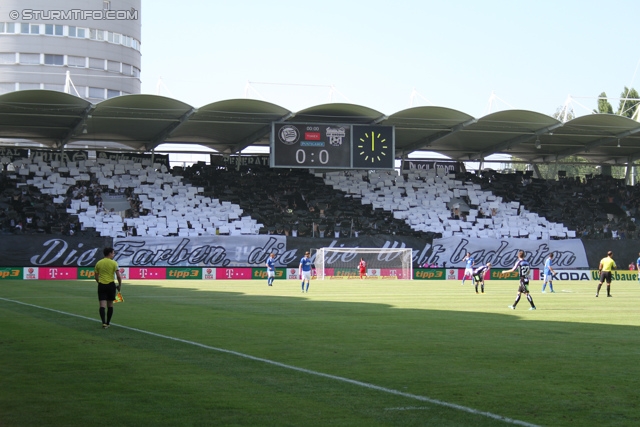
x,y
373,147
314,145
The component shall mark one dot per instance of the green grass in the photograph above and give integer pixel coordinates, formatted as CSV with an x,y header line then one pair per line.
x,y
573,362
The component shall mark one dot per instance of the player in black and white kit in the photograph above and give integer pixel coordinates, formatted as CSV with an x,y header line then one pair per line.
x,y
478,275
524,270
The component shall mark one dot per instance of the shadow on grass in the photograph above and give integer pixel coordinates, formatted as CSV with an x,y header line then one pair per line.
x,y
543,372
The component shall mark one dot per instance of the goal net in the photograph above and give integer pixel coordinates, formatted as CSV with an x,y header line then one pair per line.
x,y
390,263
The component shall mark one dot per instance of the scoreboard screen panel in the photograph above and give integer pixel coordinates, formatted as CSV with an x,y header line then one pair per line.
x,y
373,147
313,146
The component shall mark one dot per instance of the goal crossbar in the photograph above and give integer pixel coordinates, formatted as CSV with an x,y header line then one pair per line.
x,y
393,263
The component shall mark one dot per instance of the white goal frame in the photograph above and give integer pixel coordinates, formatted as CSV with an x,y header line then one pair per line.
x,y
403,258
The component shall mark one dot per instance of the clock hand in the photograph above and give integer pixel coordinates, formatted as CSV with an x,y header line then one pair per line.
x,y
373,142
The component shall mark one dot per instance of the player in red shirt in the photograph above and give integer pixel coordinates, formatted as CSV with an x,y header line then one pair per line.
x,y
363,268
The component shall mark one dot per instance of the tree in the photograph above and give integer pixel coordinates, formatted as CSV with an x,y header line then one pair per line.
x,y
629,100
572,165
564,113
604,107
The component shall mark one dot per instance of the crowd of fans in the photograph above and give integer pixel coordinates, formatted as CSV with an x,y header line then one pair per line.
x,y
295,203
292,202
596,207
23,210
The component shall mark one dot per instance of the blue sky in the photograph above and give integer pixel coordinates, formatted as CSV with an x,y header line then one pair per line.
x,y
531,54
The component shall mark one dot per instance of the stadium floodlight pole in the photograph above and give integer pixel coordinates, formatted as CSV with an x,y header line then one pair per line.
x,y
161,85
566,108
68,84
414,95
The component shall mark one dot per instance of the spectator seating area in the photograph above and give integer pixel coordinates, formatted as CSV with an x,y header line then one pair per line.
x,y
293,202
432,201
160,203
150,200
596,207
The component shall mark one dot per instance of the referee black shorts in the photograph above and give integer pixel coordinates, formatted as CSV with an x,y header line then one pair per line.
x,y
107,292
605,276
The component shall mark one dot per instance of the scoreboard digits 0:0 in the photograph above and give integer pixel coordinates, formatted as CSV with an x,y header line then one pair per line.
x,y
295,145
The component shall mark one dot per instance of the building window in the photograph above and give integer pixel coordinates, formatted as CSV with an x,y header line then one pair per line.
x,y
96,93
28,86
76,61
113,66
7,58
81,91
1,27
126,69
106,5
57,88
53,59
7,87
30,58
96,64
53,30
24,28
11,28
93,34
112,93
100,35
35,29
116,38
136,72
80,33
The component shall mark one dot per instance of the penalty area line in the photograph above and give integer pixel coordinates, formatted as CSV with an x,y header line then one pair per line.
x,y
296,368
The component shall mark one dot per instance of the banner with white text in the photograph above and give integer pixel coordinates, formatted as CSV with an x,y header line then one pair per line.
x,y
502,253
252,251
203,251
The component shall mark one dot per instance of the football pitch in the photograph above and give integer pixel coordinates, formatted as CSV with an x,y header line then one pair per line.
x,y
347,353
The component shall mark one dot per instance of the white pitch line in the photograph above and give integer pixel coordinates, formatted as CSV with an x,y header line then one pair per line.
x,y
295,368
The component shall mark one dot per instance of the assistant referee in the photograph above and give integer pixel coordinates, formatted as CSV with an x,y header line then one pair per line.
x,y
105,270
606,265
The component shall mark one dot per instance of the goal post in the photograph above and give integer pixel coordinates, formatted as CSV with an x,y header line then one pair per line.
x,y
388,263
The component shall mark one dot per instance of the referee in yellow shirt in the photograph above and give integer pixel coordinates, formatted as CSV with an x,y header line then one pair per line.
x,y
606,265
105,270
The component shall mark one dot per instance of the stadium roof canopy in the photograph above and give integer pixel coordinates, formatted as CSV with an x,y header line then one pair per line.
x,y
36,118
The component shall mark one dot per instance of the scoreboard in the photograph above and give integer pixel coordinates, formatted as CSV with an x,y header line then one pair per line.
x,y
332,146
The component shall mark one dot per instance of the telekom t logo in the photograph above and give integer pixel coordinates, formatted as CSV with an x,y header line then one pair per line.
x,y
53,272
143,273
229,273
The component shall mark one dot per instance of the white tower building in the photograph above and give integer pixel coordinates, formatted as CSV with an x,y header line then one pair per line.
x,y
89,48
